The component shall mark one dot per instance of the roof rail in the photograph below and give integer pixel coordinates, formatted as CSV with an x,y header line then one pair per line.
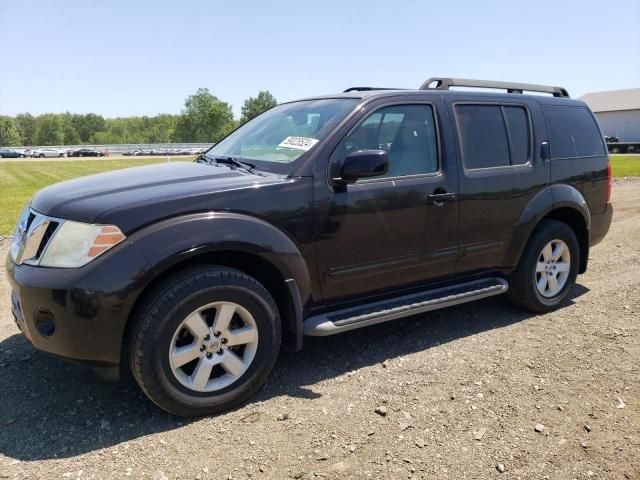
x,y
367,89
510,87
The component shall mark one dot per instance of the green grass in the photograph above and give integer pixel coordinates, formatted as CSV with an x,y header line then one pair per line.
x,y
625,165
20,180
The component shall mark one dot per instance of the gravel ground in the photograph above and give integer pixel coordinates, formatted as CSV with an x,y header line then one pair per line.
x,y
482,390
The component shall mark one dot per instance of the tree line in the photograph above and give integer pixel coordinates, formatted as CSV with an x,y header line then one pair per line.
x,y
204,119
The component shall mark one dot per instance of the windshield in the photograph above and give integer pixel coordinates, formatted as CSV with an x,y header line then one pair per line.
x,y
280,136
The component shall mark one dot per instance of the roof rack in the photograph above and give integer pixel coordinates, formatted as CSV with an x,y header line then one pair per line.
x,y
367,89
510,87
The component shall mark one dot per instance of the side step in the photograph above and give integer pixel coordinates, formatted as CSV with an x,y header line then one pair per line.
x,y
351,318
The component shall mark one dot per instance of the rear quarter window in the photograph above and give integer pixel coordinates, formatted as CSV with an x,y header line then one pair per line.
x,y
573,132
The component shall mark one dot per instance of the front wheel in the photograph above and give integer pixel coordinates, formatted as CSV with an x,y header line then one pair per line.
x,y
548,268
205,341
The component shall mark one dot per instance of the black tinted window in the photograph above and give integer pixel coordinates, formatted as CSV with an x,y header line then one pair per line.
x,y
517,122
572,132
483,137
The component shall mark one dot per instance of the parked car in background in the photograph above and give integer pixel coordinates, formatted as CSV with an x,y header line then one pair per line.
x,y
11,153
85,152
47,153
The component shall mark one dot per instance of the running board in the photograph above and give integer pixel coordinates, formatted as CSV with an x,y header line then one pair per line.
x,y
351,318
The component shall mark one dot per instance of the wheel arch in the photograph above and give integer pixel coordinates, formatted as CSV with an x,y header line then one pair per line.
x,y
560,202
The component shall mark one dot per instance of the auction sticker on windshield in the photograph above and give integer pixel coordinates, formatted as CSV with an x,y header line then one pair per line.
x,y
299,143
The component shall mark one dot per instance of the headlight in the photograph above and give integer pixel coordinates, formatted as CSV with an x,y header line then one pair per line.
x,y
75,244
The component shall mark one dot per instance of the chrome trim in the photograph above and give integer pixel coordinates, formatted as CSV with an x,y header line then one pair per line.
x,y
28,237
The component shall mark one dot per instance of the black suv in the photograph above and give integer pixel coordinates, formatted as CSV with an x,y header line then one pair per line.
x,y
317,217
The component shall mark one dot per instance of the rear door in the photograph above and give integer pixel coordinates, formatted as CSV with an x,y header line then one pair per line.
x,y
500,172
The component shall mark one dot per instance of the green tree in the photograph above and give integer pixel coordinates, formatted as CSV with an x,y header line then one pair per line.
x,y
27,124
205,118
9,133
87,125
50,130
253,107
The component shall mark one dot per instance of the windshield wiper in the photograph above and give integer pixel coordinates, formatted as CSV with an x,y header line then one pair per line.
x,y
204,158
235,161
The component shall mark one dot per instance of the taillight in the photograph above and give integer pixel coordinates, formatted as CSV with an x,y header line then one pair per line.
x,y
609,181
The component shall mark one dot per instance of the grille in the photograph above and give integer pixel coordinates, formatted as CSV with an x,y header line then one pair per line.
x,y
32,237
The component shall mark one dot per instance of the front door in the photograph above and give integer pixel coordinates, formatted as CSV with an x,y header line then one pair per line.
x,y
390,231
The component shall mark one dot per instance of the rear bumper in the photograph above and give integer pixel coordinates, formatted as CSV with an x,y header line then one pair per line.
x,y
600,225
79,314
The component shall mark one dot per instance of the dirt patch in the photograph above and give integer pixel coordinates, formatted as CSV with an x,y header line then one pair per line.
x,y
482,390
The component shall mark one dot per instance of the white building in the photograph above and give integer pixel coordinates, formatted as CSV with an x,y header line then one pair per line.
x,y
618,112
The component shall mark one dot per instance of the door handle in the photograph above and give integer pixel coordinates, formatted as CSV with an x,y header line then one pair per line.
x,y
438,199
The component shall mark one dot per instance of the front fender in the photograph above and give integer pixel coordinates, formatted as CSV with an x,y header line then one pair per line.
x,y
545,201
169,242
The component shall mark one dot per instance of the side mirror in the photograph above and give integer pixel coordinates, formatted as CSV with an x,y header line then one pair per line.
x,y
364,164
545,151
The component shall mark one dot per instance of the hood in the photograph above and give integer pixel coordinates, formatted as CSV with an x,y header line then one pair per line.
x,y
120,197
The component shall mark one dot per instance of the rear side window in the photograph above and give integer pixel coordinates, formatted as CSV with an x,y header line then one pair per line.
x,y
572,132
517,122
493,135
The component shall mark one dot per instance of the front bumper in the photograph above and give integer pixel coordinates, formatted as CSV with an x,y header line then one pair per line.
x,y
89,306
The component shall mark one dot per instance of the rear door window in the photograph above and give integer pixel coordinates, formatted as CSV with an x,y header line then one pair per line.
x,y
573,132
517,122
493,135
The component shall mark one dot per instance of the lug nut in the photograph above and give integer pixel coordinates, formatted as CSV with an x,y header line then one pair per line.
x,y
202,348
216,334
209,355
224,340
220,352
207,337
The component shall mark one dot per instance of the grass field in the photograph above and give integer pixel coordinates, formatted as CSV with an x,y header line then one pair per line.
x,y
625,165
20,180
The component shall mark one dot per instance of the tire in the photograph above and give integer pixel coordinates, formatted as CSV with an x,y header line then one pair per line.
x,y
22,156
192,297
525,283
41,155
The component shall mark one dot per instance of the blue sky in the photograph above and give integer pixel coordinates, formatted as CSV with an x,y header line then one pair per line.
x,y
126,57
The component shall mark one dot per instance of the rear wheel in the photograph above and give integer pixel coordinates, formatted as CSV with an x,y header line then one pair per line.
x,y
548,268
205,341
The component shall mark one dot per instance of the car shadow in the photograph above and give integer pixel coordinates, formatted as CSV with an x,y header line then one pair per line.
x,y
51,408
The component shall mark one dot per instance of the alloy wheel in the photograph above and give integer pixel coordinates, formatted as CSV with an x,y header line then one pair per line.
x,y
552,269
213,346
